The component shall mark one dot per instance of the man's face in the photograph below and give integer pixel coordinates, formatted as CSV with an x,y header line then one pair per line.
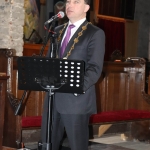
x,y
76,9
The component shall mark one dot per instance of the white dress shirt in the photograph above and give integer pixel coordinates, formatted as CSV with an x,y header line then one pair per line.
x,y
73,30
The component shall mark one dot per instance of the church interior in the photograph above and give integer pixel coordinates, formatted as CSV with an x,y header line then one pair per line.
x,y
122,121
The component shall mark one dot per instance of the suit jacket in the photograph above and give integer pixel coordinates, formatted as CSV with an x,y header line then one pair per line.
x,y
90,48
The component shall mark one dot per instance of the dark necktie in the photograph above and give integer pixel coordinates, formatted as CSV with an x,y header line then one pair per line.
x,y
66,39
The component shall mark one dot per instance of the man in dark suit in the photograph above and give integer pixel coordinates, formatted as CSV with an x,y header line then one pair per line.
x,y
72,111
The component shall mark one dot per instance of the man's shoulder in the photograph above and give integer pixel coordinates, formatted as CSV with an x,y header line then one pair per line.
x,y
94,28
60,27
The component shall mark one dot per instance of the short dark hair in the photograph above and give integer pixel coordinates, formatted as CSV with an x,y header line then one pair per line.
x,y
88,2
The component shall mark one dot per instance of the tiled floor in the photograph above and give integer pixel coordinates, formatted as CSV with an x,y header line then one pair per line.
x,y
117,141
107,142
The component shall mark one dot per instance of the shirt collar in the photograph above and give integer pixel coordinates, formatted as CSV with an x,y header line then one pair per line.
x,y
78,23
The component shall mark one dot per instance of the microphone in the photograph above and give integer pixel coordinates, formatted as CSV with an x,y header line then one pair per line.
x,y
59,15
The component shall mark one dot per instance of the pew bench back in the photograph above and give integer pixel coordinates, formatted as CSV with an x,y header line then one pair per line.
x,y
122,86
120,92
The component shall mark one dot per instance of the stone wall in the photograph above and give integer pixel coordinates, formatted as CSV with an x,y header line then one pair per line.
x,y
12,21
11,25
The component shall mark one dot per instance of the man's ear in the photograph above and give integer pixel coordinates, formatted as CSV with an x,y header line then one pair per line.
x,y
87,7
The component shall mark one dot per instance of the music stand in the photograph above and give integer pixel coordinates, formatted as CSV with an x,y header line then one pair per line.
x,y
51,75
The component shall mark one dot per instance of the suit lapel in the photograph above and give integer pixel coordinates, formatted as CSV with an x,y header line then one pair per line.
x,y
73,37
59,43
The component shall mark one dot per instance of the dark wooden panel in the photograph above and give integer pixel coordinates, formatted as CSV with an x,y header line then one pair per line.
x,y
8,128
8,148
33,103
121,86
3,88
117,8
33,49
9,119
4,53
129,9
11,126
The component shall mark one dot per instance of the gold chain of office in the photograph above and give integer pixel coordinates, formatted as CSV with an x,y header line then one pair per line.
x,y
76,40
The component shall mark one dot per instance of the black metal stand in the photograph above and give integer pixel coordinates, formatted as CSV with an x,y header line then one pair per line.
x,y
49,118
48,144
50,71
51,75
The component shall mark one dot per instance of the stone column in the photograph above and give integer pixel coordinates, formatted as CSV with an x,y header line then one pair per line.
x,y
11,25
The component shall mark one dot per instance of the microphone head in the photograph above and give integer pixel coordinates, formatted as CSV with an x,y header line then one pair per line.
x,y
61,14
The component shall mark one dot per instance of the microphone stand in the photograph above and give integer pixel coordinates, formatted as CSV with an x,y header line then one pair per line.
x,y
50,89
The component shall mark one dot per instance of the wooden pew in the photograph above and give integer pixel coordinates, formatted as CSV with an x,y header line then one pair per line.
x,y
33,102
8,128
11,125
120,90
121,87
